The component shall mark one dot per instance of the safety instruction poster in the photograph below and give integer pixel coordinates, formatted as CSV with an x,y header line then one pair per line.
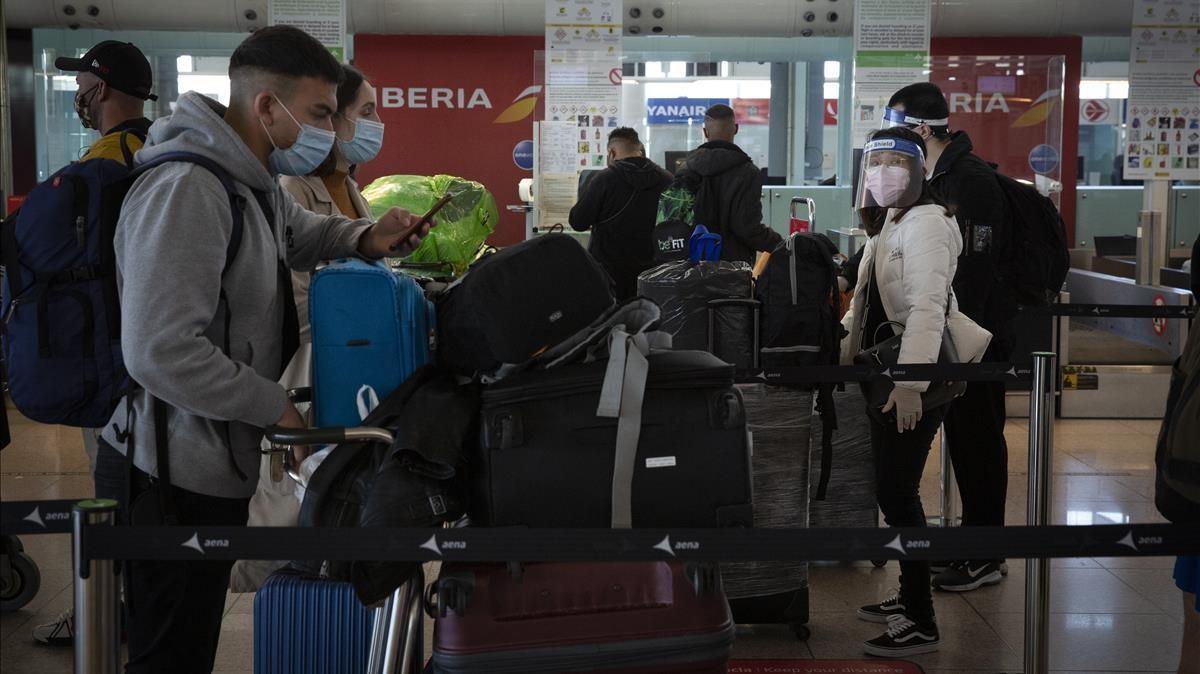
x,y
1163,113
558,171
582,98
323,19
891,50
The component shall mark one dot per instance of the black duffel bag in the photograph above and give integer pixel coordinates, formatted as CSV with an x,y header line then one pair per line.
x,y
512,305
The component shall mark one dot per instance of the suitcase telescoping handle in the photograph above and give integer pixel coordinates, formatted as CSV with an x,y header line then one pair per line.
x,y
808,222
331,435
715,305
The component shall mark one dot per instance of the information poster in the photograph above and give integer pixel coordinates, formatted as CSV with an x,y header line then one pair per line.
x,y
583,98
1163,114
322,19
891,50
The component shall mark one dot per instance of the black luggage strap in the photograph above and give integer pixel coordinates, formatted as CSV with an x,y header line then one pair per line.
x,y
161,438
825,406
291,319
237,204
9,254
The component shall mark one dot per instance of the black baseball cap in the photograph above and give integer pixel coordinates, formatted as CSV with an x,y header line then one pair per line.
x,y
120,64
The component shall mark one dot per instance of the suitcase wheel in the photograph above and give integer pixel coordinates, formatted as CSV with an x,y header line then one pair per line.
x,y
801,631
452,595
705,576
879,563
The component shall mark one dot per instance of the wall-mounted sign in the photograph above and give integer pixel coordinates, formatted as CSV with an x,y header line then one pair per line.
x,y
1163,113
752,110
322,19
679,110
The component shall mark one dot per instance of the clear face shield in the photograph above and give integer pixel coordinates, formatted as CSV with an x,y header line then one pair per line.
x,y
893,173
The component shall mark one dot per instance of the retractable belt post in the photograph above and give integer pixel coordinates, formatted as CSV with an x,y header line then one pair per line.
x,y
1041,462
97,617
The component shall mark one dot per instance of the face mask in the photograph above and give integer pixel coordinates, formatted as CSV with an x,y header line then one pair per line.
x,y
366,143
310,149
887,183
83,108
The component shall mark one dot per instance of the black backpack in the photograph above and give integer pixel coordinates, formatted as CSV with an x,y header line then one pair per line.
x,y
800,302
1038,260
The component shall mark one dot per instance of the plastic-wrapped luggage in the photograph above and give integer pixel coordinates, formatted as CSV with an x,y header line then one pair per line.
x,y
779,420
371,329
850,499
463,224
683,291
643,617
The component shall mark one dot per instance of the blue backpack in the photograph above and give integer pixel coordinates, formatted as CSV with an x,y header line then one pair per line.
x,y
61,314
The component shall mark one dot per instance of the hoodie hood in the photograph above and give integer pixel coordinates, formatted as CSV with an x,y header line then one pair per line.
x,y
642,174
716,157
197,125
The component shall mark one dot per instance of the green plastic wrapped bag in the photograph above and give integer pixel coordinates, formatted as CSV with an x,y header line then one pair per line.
x,y
462,225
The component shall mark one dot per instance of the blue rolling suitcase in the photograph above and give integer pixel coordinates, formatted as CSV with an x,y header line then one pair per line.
x,y
307,625
371,329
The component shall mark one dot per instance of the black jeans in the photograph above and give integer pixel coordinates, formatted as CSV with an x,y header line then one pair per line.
x,y
979,452
175,608
899,464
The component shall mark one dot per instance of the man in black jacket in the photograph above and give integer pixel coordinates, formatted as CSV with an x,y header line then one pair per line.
x,y
975,423
728,190
620,205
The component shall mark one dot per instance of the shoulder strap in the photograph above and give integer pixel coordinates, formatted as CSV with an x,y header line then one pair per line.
x,y
125,151
237,202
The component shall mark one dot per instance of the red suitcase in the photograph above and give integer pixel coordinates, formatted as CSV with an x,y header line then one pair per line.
x,y
626,617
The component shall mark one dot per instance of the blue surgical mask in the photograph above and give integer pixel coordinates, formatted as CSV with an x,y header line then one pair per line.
x,y
365,145
306,154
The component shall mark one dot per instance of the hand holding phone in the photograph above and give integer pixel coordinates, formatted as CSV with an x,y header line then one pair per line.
x,y
427,219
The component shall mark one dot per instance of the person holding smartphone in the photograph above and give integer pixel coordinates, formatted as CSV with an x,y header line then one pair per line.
x,y
326,190
330,188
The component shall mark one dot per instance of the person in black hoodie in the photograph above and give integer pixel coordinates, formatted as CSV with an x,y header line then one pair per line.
x,y
975,423
728,190
620,205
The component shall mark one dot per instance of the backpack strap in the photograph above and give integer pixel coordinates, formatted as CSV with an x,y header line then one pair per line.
x,y
237,204
125,151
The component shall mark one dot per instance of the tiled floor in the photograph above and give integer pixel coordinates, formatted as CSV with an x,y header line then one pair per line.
x,y
1108,615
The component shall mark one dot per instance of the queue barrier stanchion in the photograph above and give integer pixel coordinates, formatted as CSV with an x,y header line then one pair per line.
x,y
1041,462
97,581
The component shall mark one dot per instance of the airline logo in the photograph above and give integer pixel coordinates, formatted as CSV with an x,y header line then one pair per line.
x,y
460,98
980,102
521,107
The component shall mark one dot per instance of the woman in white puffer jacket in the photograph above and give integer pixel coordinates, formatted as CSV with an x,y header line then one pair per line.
x,y
905,277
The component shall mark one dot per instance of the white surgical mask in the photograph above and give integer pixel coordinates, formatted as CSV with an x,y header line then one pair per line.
x,y
306,154
887,183
366,142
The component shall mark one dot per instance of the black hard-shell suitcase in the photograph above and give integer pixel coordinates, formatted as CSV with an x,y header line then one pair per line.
x,y
547,460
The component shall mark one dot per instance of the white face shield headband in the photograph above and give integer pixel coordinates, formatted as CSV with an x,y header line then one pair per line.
x,y
893,118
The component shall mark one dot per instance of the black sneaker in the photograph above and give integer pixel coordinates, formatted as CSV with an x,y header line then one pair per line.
x,y
883,611
904,637
967,576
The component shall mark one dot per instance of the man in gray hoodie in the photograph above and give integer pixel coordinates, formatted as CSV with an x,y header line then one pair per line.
x,y
209,340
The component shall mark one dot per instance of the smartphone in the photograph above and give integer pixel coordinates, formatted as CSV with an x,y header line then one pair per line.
x,y
406,234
